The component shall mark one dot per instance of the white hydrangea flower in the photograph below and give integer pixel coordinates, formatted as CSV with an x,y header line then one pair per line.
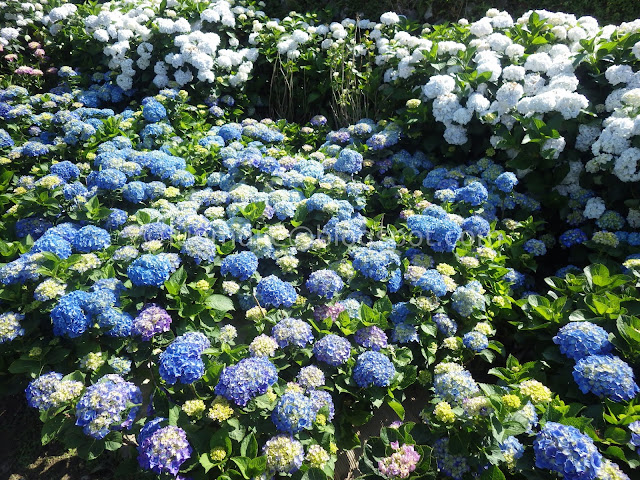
x,y
594,208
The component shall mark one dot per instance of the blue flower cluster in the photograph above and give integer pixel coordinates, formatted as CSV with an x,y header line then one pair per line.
x,y
293,413
153,110
441,234
182,360
10,326
90,239
566,450
51,391
104,403
373,368
247,379
475,341
432,281
162,449
453,383
454,466
150,270
271,291
349,161
240,265
447,326
332,350
376,261
201,249
581,339
506,181
292,331
324,283
605,375
468,298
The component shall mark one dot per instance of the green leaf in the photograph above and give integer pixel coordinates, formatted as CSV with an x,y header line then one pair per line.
x,y
243,465
51,428
249,446
617,435
397,407
314,474
174,413
206,462
219,302
176,281
257,466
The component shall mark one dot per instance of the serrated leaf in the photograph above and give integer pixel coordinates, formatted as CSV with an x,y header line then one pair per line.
x,y
219,302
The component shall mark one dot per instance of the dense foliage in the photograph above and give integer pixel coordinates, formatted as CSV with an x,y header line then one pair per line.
x,y
441,221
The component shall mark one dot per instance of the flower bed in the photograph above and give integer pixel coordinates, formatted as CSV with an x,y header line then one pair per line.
x,y
208,293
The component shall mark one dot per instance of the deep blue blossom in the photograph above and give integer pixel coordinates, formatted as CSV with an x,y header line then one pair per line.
x,y
116,219
373,368
90,239
432,281
162,449
440,234
349,161
150,270
573,237
476,226
474,194
65,170
271,291
153,110
605,375
566,450
292,331
135,192
247,379
506,181
5,139
581,339
108,179
475,341
332,349
104,404
52,243
240,265
324,283
181,361
293,413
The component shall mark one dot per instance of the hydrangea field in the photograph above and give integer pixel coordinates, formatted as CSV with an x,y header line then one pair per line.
x,y
230,242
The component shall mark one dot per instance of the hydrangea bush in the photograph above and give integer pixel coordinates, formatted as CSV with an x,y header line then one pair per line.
x,y
208,291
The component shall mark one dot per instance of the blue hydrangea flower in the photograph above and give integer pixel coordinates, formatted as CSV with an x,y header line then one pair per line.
x,y
293,413
51,391
506,181
34,226
349,161
156,231
515,278
103,405
108,179
153,110
566,450
476,226
201,249
432,281
512,450
535,247
375,263
373,368
90,239
135,192
475,341
271,291
605,375
371,337
447,326
440,234
292,331
65,170
404,332
332,349
5,139
453,383
116,219
474,194
181,361
116,323
581,339
69,317
466,299
634,428
52,243
34,149
163,450
324,283
247,379
240,265
573,237
321,399
150,270
454,466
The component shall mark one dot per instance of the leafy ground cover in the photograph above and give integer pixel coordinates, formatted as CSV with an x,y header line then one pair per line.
x,y
237,247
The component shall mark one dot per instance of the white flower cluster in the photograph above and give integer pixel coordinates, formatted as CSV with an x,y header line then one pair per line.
x,y
196,46
14,16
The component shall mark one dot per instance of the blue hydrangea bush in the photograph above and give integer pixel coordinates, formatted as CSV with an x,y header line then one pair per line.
x,y
203,291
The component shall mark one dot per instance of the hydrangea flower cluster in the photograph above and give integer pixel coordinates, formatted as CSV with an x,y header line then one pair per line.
x,y
106,406
10,327
151,320
564,449
401,463
332,349
162,449
247,379
581,339
373,368
182,361
284,454
293,413
52,391
606,375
